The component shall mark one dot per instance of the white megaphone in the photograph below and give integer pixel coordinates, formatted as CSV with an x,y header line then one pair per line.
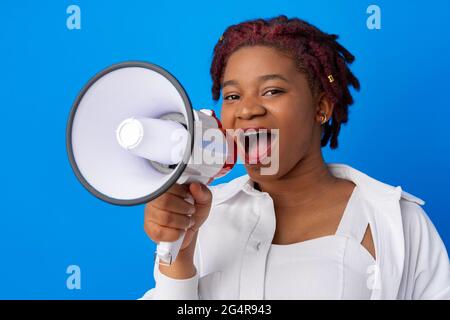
x,y
132,134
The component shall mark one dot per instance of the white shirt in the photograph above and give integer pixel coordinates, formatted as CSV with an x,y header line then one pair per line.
x,y
234,245
328,267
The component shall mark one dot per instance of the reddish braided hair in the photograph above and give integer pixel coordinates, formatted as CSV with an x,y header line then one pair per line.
x,y
316,54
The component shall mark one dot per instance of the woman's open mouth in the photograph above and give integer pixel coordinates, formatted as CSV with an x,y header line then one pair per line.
x,y
256,144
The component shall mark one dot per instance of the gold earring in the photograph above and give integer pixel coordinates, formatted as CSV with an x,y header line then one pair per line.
x,y
323,117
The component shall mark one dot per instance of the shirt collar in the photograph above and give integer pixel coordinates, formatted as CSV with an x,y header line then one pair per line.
x,y
369,185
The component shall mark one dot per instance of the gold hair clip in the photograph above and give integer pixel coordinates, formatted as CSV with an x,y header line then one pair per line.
x,y
221,38
330,78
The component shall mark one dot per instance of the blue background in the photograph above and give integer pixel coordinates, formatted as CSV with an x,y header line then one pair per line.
x,y
397,132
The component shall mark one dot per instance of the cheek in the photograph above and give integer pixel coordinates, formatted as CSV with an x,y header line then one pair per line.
x,y
294,119
299,127
296,133
226,117
293,135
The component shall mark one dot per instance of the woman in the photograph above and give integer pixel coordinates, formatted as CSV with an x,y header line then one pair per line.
x,y
311,230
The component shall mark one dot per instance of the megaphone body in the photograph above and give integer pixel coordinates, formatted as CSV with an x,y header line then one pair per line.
x,y
132,133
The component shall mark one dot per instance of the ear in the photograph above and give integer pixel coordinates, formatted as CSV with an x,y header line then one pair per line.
x,y
324,107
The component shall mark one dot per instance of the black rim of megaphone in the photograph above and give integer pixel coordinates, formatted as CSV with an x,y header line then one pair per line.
x,y
178,171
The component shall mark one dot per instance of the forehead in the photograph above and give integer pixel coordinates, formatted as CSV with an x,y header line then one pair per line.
x,y
251,62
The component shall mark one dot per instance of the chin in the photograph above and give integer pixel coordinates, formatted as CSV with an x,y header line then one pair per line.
x,y
255,173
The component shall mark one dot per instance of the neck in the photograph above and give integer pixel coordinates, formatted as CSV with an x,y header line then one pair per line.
x,y
308,181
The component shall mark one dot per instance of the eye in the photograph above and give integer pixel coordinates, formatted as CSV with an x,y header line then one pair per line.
x,y
231,97
272,92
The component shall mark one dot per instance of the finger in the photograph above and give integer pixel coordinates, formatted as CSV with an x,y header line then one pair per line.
x,y
201,194
190,233
179,190
171,220
172,203
160,233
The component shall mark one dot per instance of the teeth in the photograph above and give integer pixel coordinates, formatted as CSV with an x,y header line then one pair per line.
x,y
251,133
256,132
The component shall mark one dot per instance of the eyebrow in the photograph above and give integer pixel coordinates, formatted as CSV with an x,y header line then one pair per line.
x,y
263,78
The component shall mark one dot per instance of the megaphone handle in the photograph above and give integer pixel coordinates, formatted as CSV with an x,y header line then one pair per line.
x,y
167,252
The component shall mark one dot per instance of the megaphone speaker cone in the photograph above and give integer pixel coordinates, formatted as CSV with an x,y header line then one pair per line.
x,y
101,133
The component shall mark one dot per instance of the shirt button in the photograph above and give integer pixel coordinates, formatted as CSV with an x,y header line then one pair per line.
x,y
257,245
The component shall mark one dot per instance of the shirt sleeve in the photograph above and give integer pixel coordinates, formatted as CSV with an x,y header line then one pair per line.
x,y
167,288
427,266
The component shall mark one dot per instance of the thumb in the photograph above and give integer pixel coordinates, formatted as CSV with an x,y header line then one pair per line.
x,y
201,194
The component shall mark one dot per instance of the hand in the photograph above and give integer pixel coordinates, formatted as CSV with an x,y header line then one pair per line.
x,y
169,214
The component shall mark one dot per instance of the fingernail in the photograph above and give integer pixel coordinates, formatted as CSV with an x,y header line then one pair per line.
x,y
192,210
191,222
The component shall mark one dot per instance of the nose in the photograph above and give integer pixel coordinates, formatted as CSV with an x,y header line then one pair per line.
x,y
250,108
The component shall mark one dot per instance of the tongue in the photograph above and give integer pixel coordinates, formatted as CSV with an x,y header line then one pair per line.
x,y
258,149
253,153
